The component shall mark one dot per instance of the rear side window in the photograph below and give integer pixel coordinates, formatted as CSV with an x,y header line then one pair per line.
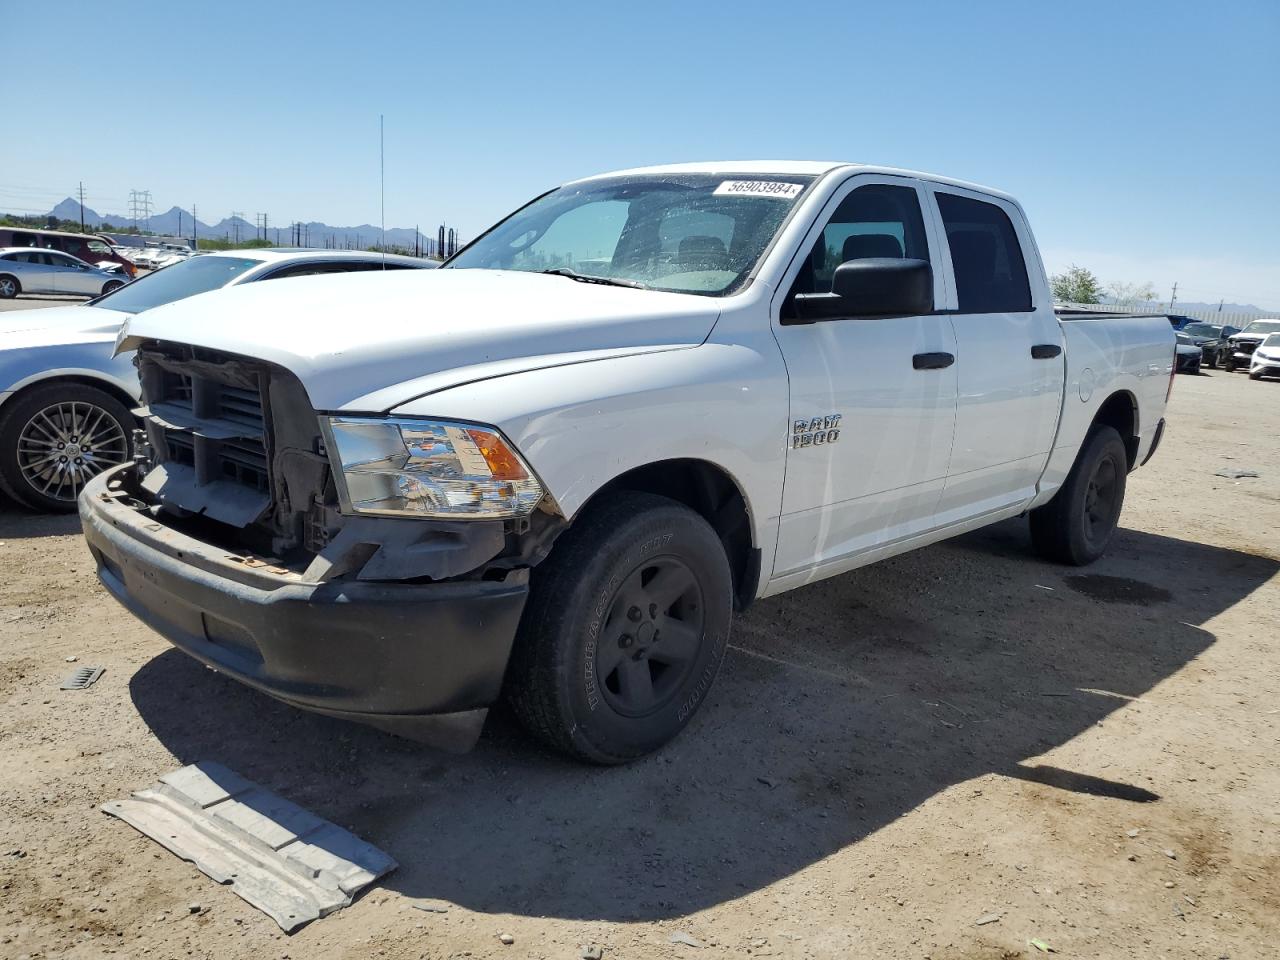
x,y
878,220
991,276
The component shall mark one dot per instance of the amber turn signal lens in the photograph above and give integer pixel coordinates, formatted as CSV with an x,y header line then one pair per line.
x,y
502,460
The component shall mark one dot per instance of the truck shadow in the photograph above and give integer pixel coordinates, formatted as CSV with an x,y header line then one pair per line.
x,y
841,707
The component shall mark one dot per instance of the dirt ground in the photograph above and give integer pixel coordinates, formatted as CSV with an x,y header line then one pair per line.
x,y
887,757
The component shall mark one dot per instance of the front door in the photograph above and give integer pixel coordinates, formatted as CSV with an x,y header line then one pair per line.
x,y
871,421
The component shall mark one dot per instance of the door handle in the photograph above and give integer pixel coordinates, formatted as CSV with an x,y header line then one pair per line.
x,y
932,361
1045,351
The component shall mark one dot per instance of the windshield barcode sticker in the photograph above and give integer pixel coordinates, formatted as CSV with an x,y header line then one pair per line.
x,y
759,188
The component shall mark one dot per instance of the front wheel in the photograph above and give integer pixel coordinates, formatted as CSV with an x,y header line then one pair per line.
x,y
56,438
1078,523
111,286
625,628
1255,374
1229,364
9,287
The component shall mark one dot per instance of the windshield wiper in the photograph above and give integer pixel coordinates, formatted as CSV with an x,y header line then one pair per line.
x,y
589,278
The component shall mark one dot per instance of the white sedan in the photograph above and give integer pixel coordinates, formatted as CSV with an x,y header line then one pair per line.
x,y
65,400
1265,361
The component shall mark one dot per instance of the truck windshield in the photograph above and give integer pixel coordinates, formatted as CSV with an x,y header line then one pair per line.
x,y
185,279
1262,327
687,233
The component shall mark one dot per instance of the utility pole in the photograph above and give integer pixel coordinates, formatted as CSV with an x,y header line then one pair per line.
x,y
236,217
1173,298
82,206
195,229
179,221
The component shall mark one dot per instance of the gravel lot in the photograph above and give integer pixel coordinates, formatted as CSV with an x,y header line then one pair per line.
x,y
886,758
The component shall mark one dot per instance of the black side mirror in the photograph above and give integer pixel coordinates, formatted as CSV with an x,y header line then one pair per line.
x,y
870,287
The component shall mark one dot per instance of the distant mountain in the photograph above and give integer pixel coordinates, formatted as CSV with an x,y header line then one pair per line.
x,y
176,222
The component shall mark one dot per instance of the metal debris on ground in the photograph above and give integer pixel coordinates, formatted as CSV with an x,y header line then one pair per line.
x,y
687,939
1233,474
431,906
286,862
82,677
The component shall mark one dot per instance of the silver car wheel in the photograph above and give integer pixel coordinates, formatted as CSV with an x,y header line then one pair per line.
x,y
7,288
65,445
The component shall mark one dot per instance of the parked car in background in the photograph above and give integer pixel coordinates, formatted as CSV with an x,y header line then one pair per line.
x,y
1211,338
65,401
89,247
1265,361
1240,346
32,270
1188,354
1178,321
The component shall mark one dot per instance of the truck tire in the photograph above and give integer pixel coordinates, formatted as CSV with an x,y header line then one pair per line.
x,y
1077,524
625,628
92,426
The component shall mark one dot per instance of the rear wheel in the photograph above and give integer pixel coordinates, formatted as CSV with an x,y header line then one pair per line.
x,y
1078,523
111,285
56,438
625,628
9,287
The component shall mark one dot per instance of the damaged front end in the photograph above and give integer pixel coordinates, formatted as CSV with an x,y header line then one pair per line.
x,y
227,536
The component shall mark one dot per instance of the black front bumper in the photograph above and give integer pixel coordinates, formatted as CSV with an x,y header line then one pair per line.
x,y
423,660
1188,362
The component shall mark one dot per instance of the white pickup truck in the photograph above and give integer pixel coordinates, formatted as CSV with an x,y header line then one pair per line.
x,y
552,469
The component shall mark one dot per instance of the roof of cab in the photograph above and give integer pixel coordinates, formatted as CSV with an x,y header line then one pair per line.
x,y
783,168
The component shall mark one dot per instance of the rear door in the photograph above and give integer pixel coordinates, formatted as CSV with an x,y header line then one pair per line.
x,y
871,427
37,272
1010,357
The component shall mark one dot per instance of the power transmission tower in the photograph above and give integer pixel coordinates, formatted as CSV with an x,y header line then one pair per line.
x,y
236,217
260,221
140,207
82,206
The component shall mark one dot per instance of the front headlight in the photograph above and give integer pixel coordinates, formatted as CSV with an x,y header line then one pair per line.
x,y
428,468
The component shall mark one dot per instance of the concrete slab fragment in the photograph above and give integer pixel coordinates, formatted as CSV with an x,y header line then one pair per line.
x,y
290,864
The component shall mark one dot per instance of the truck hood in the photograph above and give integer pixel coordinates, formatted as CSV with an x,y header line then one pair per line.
x,y
371,341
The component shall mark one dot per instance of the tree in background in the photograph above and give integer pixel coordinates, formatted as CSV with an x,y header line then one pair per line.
x,y
1077,285
1129,295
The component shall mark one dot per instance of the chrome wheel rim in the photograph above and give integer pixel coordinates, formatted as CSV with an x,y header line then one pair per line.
x,y
6,287
65,445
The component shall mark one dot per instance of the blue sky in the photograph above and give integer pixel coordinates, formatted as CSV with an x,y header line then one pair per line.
x,y
1142,138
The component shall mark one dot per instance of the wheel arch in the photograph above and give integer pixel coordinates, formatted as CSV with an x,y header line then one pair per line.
x,y
79,377
1120,411
715,495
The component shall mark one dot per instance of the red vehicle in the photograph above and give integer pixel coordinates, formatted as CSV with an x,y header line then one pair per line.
x,y
89,247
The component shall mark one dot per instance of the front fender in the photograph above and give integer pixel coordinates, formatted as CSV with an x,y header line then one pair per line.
x,y
91,360
582,426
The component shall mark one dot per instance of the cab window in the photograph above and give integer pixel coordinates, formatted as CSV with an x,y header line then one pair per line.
x,y
991,276
878,220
